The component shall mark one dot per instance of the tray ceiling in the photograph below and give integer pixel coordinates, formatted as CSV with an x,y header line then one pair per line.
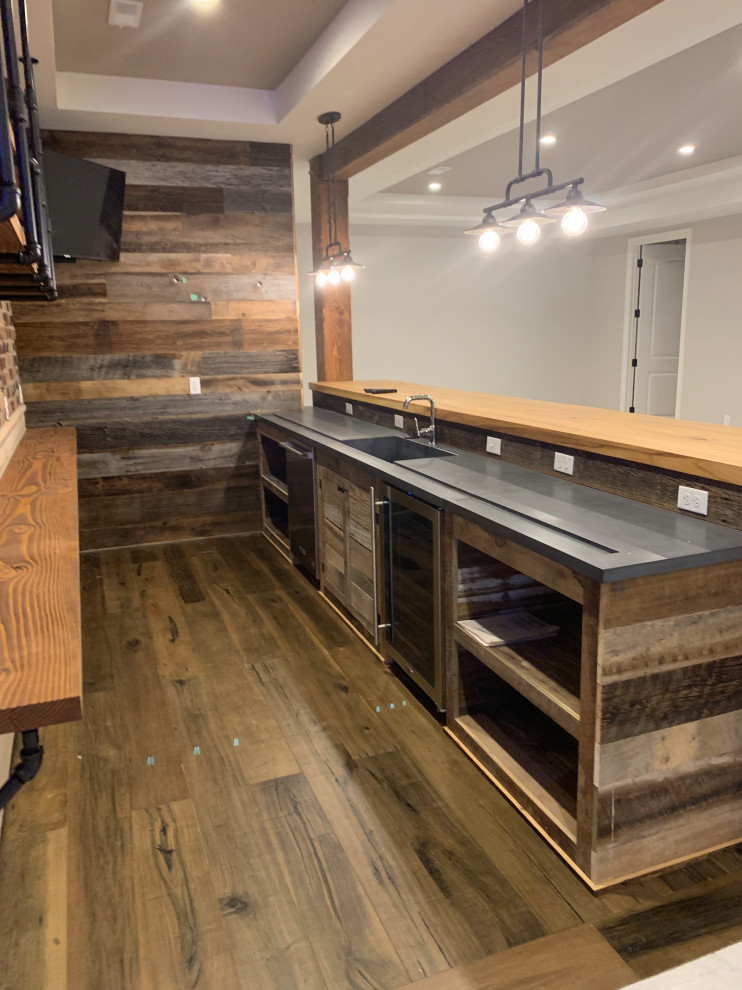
x,y
248,43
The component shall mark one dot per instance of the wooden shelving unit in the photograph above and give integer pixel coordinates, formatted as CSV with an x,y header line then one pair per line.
x,y
515,708
585,730
274,493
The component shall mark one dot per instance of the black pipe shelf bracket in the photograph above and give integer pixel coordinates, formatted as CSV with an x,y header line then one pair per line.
x,y
22,187
32,755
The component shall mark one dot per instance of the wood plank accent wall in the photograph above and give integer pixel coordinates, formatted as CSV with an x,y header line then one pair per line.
x,y
206,287
643,482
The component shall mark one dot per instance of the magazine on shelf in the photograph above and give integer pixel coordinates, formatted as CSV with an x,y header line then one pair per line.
x,y
508,627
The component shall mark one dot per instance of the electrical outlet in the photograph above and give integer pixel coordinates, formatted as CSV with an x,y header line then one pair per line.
x,y
195,385
348,408
564,463
399,422
494,445
727,419
693,500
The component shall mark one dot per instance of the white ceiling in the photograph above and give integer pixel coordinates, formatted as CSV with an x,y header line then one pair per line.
x,y
360,62
226,43
623,134
620,106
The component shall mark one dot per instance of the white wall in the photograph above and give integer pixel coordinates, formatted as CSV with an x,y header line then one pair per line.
x,y
710,386
430,308
712,375
546,322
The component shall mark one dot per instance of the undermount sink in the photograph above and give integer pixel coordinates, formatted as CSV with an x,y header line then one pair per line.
x,y
397,448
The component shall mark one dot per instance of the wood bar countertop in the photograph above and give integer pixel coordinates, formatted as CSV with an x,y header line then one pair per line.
x,y
40,632
703,450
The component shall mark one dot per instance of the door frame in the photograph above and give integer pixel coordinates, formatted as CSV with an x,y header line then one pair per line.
x,y
633,245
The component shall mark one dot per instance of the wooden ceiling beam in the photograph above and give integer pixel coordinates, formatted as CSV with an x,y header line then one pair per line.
x,y
482,71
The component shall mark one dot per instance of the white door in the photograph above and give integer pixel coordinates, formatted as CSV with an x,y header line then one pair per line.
x,y
653,378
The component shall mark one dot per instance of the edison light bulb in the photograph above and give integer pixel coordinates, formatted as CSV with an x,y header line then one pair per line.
x,y
489,240
321,280
528,232
574,221
333,276
348,273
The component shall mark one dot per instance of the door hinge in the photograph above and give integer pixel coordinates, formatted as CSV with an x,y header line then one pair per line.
x,y
640,262
634,363
637,314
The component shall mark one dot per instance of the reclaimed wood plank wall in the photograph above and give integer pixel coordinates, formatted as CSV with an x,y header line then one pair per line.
x,y
205,287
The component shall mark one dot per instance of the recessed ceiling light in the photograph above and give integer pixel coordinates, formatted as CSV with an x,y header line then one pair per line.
x,y
548,139
687,149
434,186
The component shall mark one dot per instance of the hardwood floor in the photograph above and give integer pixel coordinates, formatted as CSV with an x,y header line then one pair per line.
x,y
254,802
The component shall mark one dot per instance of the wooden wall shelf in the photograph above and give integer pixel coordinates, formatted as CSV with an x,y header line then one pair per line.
x,y
41,662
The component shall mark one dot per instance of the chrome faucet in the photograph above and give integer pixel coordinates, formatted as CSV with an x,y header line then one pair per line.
x,y
429,431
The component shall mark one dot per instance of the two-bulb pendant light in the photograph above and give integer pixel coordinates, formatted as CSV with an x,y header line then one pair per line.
x,y
528,221
337,265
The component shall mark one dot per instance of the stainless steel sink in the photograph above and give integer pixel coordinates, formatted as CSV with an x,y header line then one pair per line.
x,y
394,449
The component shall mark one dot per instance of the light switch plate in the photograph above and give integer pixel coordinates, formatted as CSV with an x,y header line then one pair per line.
x,y
399,422
564,463
348,408
195,385
693,500
494,445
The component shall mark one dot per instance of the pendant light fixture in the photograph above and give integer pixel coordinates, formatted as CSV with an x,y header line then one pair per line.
x,y
337,265
528,220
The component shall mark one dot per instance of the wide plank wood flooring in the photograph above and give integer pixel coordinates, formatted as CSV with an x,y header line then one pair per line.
x,y
254,802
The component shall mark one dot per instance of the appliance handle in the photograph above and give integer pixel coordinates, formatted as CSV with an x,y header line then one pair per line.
x,y
389,625
374,505
305,452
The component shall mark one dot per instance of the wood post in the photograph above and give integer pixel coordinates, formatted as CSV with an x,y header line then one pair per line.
x,y
332,321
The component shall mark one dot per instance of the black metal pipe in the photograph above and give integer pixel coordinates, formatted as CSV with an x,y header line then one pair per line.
x,y
46,262
32,755
523,45
539,84
19,118
546,191
10,194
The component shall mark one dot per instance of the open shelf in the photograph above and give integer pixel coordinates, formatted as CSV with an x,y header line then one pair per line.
x,y
276,487
545,671
276,518
517,743
272,460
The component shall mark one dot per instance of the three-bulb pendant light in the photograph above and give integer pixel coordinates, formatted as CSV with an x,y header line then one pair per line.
x,y
337,265
529,220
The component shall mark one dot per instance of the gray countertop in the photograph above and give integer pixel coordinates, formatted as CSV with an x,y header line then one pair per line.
x,y
605,537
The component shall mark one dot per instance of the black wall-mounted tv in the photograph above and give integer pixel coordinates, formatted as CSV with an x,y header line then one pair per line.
x,y
86,207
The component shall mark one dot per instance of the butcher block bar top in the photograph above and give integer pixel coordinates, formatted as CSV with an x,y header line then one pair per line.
x,y
703,450
41,659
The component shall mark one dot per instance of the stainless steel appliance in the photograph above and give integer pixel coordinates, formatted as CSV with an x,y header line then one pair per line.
x,y
412,600
300,479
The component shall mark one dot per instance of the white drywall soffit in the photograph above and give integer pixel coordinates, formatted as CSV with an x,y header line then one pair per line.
x,y
662,31
340,70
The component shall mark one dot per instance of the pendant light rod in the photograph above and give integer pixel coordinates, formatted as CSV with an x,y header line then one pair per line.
x,y
539,80
523,53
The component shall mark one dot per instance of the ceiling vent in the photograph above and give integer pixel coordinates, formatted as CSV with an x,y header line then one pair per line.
x,y
125,13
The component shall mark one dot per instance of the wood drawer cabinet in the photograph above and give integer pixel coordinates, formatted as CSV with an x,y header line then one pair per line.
x,y
347,541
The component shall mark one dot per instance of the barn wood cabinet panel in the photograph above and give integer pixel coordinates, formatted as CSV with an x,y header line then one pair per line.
x,y
347,538
620,738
